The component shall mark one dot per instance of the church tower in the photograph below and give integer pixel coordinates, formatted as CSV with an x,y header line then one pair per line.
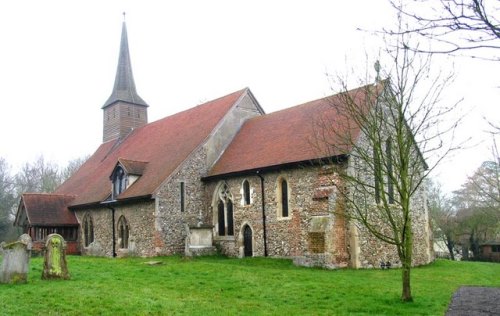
x,y
125,109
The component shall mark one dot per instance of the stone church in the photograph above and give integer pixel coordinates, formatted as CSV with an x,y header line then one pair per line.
x,y
222,176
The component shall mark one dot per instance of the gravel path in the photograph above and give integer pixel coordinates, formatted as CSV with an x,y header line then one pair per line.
x,y
475,301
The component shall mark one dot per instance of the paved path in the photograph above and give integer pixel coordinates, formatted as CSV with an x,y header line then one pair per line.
x,y
475,301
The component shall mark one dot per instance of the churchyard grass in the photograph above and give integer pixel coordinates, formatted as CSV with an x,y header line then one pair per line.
x,y
222,286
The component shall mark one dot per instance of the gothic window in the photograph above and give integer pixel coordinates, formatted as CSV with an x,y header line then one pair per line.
x,y
246,192
225,223
283,193
123,232
383,173
88,230
377,174
229,216
119,181
221,218
390,186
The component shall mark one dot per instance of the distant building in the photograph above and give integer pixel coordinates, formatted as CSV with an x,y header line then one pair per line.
x,y
220,175
490,251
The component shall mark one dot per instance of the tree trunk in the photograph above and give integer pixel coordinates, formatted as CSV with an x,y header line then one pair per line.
x,y
406,293
450,245
407,251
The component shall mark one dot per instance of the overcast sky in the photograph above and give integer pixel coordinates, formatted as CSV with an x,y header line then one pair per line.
x,y
58,61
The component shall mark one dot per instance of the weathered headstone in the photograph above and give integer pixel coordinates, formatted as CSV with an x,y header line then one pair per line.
x,y
54,264
15,263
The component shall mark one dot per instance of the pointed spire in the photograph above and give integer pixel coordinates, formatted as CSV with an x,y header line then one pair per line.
x,y
124,88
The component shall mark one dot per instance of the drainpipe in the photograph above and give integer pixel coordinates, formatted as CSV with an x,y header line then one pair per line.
x,y
263,213
113,227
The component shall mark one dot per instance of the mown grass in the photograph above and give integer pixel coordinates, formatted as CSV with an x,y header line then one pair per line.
x,y
222,286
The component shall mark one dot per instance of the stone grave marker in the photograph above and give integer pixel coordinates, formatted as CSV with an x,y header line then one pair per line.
x,y
15,263
54,263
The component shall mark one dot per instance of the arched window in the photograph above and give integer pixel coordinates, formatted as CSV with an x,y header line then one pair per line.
x,y
246,192
225,223
383,166
88,230
390,185
221,218
123,232
229,216
283,197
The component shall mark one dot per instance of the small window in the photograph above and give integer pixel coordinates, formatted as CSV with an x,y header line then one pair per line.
x,y
88,230
123,232
182,193
283,193
246,192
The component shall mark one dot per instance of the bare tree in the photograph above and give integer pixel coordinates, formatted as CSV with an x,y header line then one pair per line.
x,y
72,167
7,200
443,215
477,204
388,130
452,25
39,176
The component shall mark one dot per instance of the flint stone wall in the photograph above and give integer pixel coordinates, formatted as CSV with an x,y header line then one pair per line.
x,y
368,251
172,224
290,236
140,219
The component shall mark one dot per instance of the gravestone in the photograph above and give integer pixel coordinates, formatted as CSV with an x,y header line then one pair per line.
x,y
15,263
54,263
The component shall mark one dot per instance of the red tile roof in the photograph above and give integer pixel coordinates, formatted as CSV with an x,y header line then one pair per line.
x,y
293,135
132,166
45,209
163,144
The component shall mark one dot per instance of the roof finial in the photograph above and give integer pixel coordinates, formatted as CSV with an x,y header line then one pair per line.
x,y
377,69
124,13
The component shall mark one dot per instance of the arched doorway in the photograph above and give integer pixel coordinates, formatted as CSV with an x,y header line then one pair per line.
x,y
247,241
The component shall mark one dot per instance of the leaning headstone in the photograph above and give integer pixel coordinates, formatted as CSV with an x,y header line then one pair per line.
x,y
15,263
54,264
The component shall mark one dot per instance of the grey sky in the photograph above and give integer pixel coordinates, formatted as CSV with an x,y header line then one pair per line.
x,y
58,62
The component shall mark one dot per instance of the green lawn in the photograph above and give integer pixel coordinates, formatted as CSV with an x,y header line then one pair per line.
x,y
221,286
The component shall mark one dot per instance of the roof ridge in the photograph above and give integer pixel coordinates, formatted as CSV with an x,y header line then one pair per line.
x,y
49,194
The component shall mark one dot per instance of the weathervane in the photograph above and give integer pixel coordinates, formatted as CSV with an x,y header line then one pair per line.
x,y
124,13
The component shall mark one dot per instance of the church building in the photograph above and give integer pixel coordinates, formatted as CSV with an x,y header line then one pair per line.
x,y
222,176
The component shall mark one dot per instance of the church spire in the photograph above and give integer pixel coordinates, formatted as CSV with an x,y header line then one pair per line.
x,y
124,88
124,110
